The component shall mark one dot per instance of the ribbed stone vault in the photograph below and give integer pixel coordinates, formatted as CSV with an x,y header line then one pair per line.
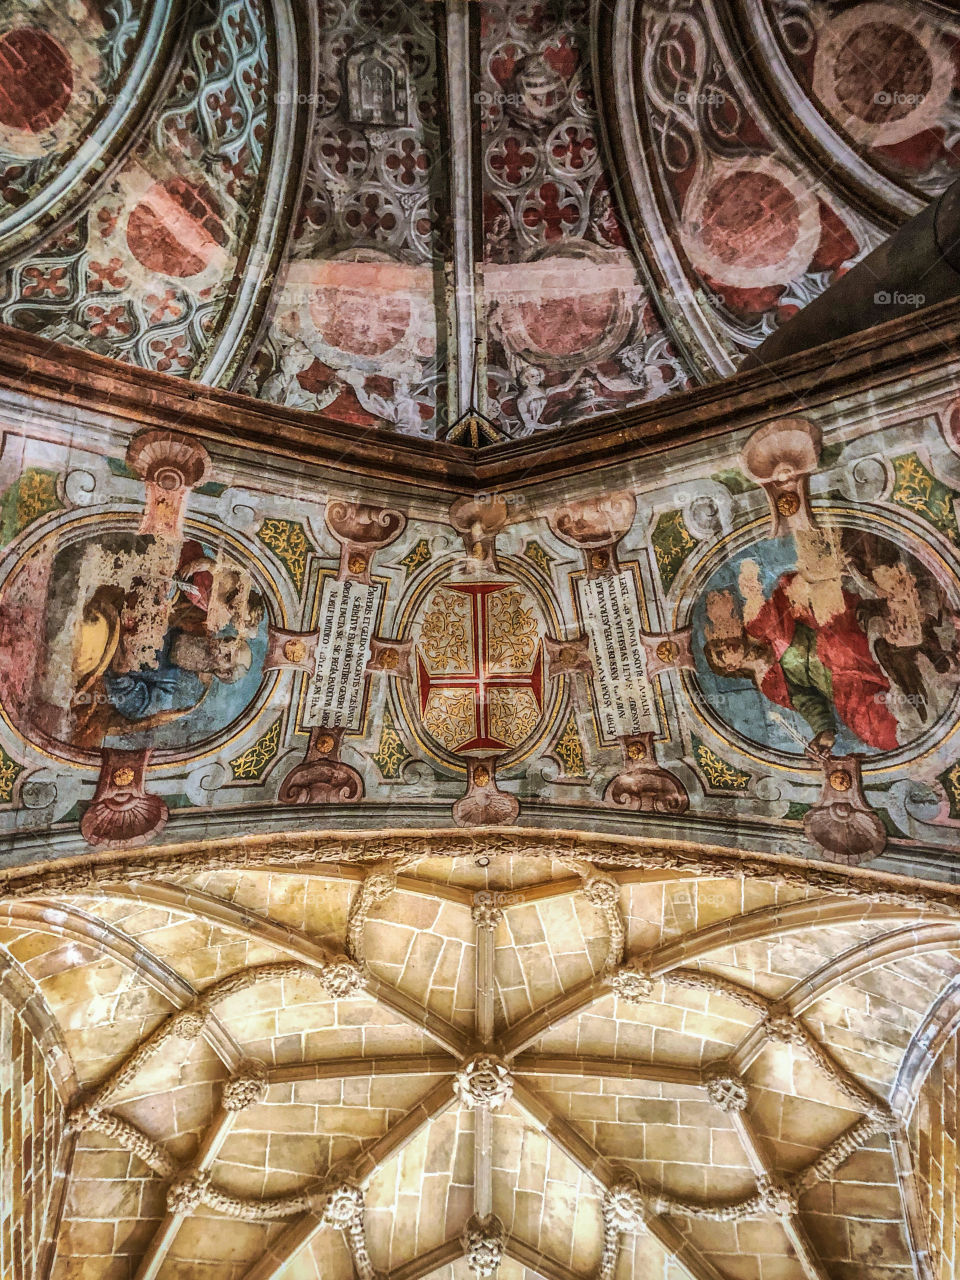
x,y
525,1060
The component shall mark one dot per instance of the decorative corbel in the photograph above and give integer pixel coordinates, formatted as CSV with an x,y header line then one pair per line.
x,y
642,785
595,526
123,812
478,521
842,822
361,530
484,804
170,465
322,777
781,457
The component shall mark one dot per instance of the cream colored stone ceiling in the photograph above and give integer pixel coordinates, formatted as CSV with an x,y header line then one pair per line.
x,y
674,1076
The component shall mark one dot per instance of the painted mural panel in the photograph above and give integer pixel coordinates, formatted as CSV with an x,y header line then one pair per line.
x,y
62,67
146,271
886,76
831,639
759,235
572,330
756,643
359,322
137,641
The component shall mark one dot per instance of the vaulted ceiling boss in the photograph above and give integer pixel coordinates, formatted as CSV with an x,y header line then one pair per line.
x,y
479,639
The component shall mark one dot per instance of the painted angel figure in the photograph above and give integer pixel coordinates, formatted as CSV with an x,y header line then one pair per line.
x,y
402,409
533,398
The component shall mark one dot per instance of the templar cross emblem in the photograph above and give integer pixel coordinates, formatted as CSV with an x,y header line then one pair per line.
x,y
500,684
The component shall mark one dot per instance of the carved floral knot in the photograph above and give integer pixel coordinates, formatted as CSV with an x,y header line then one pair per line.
x,y
82,1117
186,1193
357,564
486,914
726,1090
342,978
632,982
624,1207
776,1197
484,1081
189,1023
344,1204
601,891
482,1241
884,1117
783,1028
247,1087
379,885
788,504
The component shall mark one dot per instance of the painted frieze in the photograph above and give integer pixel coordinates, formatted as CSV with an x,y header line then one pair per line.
x,y
753,643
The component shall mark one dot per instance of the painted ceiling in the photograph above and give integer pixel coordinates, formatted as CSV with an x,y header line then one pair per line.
x,y
535,861
303,202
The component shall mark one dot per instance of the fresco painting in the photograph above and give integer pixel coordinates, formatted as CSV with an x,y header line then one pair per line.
x,y
145,266
769,633
841,57
152,209
146,642
833,639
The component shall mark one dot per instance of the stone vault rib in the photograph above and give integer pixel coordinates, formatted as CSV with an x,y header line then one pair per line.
x,y
252,924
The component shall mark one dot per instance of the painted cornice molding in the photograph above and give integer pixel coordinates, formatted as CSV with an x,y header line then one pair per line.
x,y
918,347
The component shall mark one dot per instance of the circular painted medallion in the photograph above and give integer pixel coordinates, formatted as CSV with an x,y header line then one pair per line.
x,y
117,639
830,640
176,228
883,73
750,223
36,80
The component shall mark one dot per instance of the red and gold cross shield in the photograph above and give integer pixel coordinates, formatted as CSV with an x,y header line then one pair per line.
x,y
480,667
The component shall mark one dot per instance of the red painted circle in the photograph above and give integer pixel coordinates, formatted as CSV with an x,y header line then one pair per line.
x,y
750,220
882,73
36,80
563,326
361,323
176,228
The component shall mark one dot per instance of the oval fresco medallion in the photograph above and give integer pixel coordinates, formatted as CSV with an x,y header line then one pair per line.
x,y
480,686
830,640
112,638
